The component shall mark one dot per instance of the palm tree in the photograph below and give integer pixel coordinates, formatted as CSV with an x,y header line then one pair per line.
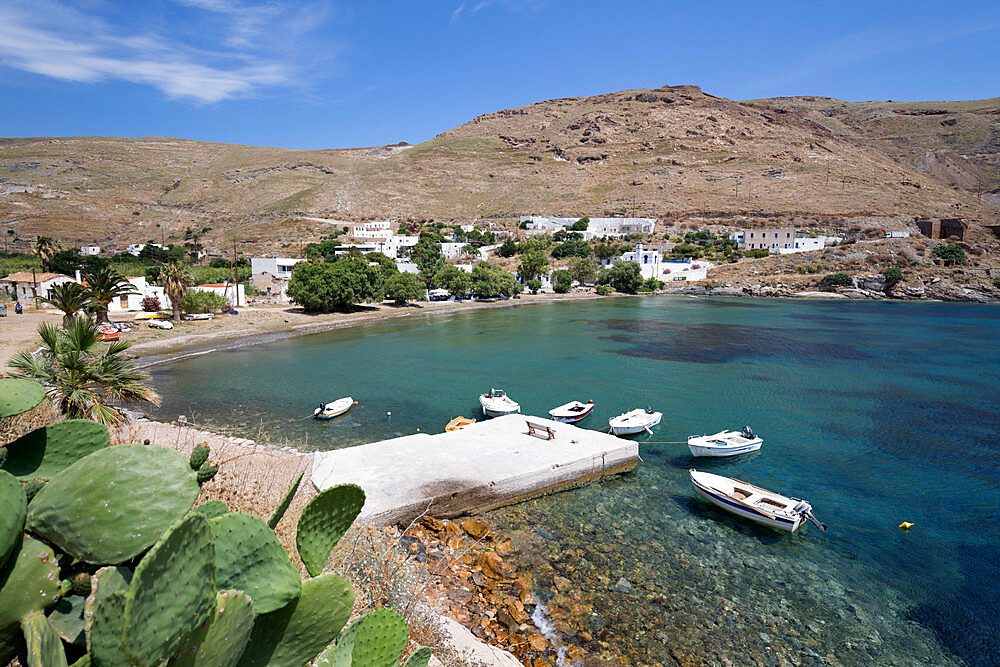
x,y
103,285
82,383
176,282
45,247
70,298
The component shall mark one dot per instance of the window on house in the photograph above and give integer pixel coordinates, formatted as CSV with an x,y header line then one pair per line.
x,y
788,235
123,302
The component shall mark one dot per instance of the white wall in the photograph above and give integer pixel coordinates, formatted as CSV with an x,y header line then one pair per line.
x,y
276,266
223,290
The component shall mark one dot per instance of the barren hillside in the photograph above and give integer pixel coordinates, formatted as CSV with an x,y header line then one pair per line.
x,y
670,151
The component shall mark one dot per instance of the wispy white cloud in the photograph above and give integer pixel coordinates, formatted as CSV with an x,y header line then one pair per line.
x,y
509,5
65,43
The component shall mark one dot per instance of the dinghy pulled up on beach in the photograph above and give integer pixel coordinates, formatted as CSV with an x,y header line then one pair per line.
x,y
754,503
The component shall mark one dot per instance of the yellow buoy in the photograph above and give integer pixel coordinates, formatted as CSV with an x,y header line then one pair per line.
x,y
906,525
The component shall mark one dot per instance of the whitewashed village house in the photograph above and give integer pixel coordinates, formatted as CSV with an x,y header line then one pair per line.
x,y
90,250
270,276
652,264
781,241
597,227
24,286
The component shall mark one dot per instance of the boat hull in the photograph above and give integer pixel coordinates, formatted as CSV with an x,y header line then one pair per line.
x,y
566,417
732,506
633,429
493,412
734,450
334,409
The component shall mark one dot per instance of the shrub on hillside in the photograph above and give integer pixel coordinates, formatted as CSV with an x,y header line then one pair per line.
x,y
893,276
950,254
757,254
832,281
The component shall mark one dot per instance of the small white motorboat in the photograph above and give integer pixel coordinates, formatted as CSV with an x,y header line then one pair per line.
x,y
754,503
497,403
335,408
571,412
725,443
199,316
635,421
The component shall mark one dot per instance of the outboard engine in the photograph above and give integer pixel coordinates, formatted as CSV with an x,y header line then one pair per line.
x,y
748,433
806,510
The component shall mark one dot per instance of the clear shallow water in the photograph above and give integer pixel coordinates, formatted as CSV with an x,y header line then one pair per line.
x,y
875,412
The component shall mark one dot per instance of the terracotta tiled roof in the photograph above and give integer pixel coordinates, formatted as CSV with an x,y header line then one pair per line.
x,y
25,277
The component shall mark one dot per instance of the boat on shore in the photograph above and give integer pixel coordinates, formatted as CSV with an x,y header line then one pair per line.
x,y
497,403
199,316
725,443
334,408
572,412
458,423
752,502
635,421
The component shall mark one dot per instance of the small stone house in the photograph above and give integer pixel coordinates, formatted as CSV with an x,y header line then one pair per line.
x,y
25,285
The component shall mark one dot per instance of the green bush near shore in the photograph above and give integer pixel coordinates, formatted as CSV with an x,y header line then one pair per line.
x,y
196,301
832,281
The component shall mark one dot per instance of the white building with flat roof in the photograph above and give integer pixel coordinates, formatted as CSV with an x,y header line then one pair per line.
x,y
90,250
782,241
279,267
596,227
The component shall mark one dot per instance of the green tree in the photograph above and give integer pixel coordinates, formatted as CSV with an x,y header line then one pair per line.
x,y
80,381
176,281
428,258
534,285
453,279
404,287
507,249
607,251
623,277
66,262
571,249
583,269
832,281
950,254
70,298
562,281
580,225
104,284
322,250
533,263
893,276
488,282
339,285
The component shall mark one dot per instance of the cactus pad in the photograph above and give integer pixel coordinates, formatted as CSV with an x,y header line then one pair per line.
x,y
324,521
13,506
103,583
45,649
220,640
377,639
206,473
29,582
212,508
32,487
81,583
198,456
282,507
50,449
172,592
419,658
18,395
67,619
112,505
297,632
249,557
105,637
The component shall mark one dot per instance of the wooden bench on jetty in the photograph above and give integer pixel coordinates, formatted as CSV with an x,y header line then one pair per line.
x,y
535,429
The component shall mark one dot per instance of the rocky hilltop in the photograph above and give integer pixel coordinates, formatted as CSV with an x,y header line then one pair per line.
x,y
668,152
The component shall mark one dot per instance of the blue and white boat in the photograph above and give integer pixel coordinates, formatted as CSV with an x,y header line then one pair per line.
x,y
725,443
754,503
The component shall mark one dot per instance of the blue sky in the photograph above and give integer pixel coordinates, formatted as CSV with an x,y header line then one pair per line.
x,y
331,73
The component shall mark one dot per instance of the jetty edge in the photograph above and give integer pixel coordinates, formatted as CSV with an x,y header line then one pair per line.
x,y
483,466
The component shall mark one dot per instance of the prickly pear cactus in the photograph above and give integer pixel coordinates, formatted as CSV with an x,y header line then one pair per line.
x,y
105,637
32,487
104,582
282,507
199,455
81,583
18,395
324,521
29,582
377,639
172,592
212,508
67,619
13,507
419,658
112,505
45,649
50,449
220,640
249,557
206,473
297,632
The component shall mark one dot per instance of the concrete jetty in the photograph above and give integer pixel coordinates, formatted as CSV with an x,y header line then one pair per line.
x,y
483,466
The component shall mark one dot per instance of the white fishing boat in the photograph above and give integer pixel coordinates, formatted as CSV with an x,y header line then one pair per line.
x,y
199,316
572,412
754,503
497,403
725,443
635,421
334,408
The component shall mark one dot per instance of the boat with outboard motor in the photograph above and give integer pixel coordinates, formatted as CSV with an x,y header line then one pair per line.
x,y
635,421
725,443
754,503
497,403
572,412
334,408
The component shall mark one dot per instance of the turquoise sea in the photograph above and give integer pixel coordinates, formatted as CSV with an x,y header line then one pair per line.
x,y
877,413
